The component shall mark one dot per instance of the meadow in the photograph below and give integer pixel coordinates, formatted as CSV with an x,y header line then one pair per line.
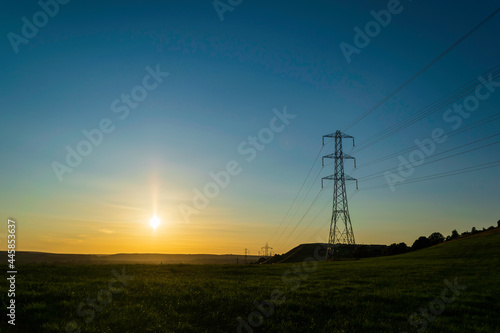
x,y
403,293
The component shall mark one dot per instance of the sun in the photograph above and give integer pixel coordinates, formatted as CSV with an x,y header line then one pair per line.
x,y
154,222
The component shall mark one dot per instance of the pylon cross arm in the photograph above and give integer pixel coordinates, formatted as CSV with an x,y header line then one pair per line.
x,y
342,135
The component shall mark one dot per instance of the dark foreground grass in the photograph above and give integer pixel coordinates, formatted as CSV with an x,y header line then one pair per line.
x,y
370,295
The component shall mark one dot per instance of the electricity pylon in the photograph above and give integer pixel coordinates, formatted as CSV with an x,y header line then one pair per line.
x,y
266,250
340,225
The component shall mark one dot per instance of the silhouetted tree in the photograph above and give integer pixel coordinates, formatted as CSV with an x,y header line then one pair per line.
x,y
395,249
389,250
436,238
401,248
421,243
454,234
498,223
473,231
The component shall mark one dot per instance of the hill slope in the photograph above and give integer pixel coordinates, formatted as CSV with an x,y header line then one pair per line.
x,y
480,243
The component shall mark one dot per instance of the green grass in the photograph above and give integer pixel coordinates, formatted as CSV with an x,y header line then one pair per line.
x,y
369,295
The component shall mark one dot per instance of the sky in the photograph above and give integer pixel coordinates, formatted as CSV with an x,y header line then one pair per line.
x,y
210,116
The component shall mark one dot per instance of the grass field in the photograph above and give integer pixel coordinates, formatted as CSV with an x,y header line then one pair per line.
x,y
368,295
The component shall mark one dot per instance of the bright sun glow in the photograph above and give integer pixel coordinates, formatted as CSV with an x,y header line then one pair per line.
x,y
154,222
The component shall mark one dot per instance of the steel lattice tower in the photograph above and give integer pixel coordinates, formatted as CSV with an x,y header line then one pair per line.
x,y
266,249
340,225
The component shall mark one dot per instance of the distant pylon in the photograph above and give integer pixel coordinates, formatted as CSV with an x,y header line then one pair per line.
x,y
266,250
340,225
246,250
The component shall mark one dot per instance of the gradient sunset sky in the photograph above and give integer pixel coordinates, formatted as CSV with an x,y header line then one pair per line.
x,y
225,79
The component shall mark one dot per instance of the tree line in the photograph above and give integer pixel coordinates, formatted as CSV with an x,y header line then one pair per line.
x,y
435,238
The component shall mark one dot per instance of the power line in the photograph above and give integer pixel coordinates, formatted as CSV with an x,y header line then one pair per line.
x,y
296,196
461,39
381,173
302,218
467,128
300,204
439,175
328,203
424,112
